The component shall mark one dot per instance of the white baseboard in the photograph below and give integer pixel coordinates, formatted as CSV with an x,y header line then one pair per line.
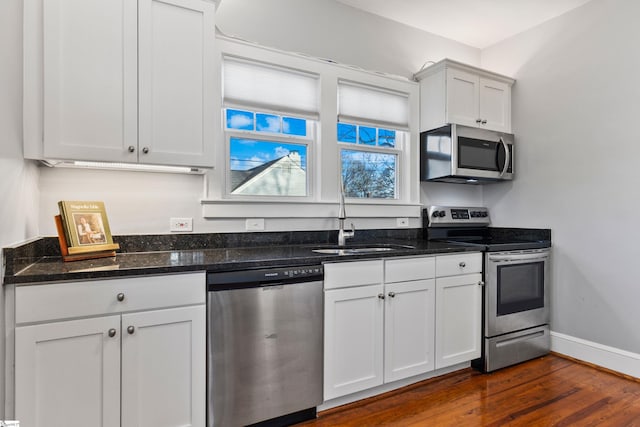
x,y
607,357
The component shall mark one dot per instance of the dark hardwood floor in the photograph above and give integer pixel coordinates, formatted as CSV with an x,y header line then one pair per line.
x,y
549,391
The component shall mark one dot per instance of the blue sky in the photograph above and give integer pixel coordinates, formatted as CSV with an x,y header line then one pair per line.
x,y
249,153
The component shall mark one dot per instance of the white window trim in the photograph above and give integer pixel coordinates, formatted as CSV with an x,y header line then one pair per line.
x,y
324,188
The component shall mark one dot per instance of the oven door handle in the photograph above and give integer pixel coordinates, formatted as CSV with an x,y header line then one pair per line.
x,y
518,258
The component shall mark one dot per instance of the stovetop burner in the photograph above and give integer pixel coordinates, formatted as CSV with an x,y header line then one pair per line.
x,y
470,227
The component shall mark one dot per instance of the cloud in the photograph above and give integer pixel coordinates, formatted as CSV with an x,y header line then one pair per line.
x,y
273,125
281,151
239,121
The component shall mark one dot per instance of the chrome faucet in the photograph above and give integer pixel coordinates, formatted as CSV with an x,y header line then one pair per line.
x,y
342,215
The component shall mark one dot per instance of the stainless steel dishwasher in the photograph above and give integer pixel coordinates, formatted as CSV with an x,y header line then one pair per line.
x,y
264,346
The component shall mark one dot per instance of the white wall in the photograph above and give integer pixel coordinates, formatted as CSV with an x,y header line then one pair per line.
x,y
144,202
332,30
18,179
576,105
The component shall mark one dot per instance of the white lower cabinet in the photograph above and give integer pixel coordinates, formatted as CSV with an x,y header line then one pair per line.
x,y
408,329
68,373
388,320
121,368
353,322
377,333
458,319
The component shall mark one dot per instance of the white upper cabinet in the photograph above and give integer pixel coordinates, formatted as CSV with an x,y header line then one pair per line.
x,y
120,81
451,92
176,82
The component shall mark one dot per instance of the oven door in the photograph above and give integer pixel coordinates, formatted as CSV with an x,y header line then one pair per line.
x,y
516,290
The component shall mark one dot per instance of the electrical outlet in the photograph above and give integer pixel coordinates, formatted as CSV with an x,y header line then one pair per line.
x,y
402,222
254,224
181,224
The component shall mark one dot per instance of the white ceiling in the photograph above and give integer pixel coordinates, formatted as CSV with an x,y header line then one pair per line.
x,y
478,23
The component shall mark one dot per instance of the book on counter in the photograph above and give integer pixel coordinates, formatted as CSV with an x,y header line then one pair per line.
x,y
83,230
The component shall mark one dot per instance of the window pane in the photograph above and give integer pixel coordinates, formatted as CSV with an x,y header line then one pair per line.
x,y
346,133
267,168
369,175
293,126
268,123
367,135
238,119
386,138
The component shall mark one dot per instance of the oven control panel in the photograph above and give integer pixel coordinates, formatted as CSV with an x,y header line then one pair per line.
x,y
452,216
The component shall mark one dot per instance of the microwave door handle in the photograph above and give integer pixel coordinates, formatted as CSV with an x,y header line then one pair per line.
x,y
507,157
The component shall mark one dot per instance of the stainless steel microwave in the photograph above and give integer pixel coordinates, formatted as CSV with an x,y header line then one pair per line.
x,y
462,154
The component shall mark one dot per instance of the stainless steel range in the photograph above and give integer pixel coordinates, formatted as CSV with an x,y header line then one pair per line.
x,y
516,277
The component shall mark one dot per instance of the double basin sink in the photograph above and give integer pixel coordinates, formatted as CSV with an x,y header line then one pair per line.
x,y
354,250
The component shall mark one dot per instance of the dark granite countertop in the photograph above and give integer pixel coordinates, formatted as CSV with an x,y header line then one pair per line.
x,y
39,261
52,268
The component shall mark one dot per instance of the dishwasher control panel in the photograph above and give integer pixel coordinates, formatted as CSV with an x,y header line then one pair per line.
x,y
263,277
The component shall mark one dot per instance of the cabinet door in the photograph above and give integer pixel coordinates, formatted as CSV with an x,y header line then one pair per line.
x,y
89,59
177,78
163,368
462,98
458,319
68,373
409,329
495,105
353,328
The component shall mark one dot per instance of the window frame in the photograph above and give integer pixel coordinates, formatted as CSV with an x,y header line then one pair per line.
x,y
324,154
308,141
397,150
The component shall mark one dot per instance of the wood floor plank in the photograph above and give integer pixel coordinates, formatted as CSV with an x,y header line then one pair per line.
x,y
548,391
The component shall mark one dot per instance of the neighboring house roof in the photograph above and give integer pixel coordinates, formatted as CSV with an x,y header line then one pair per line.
x,y
283,176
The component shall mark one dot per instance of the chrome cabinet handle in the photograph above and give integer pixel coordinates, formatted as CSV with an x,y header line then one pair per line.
x,y
131,330
120,297
131,148
481,283
112,332
484,122
381,296
392,294
478,121
507,157
462,264
145,150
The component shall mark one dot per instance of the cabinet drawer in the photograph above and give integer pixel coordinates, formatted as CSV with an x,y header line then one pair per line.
x,y
452,265
91,298
406,269
346,274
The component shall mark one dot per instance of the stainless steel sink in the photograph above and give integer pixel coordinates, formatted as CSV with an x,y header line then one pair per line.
x,y
359,249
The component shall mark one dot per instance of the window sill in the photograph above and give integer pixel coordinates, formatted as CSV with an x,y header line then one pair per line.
x,y
292,209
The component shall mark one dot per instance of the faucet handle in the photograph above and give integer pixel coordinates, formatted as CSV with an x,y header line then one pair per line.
x,y
350,234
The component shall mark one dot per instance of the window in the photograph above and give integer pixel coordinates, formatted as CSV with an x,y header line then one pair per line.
x,y
367,173
261,164
270,121
370,133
